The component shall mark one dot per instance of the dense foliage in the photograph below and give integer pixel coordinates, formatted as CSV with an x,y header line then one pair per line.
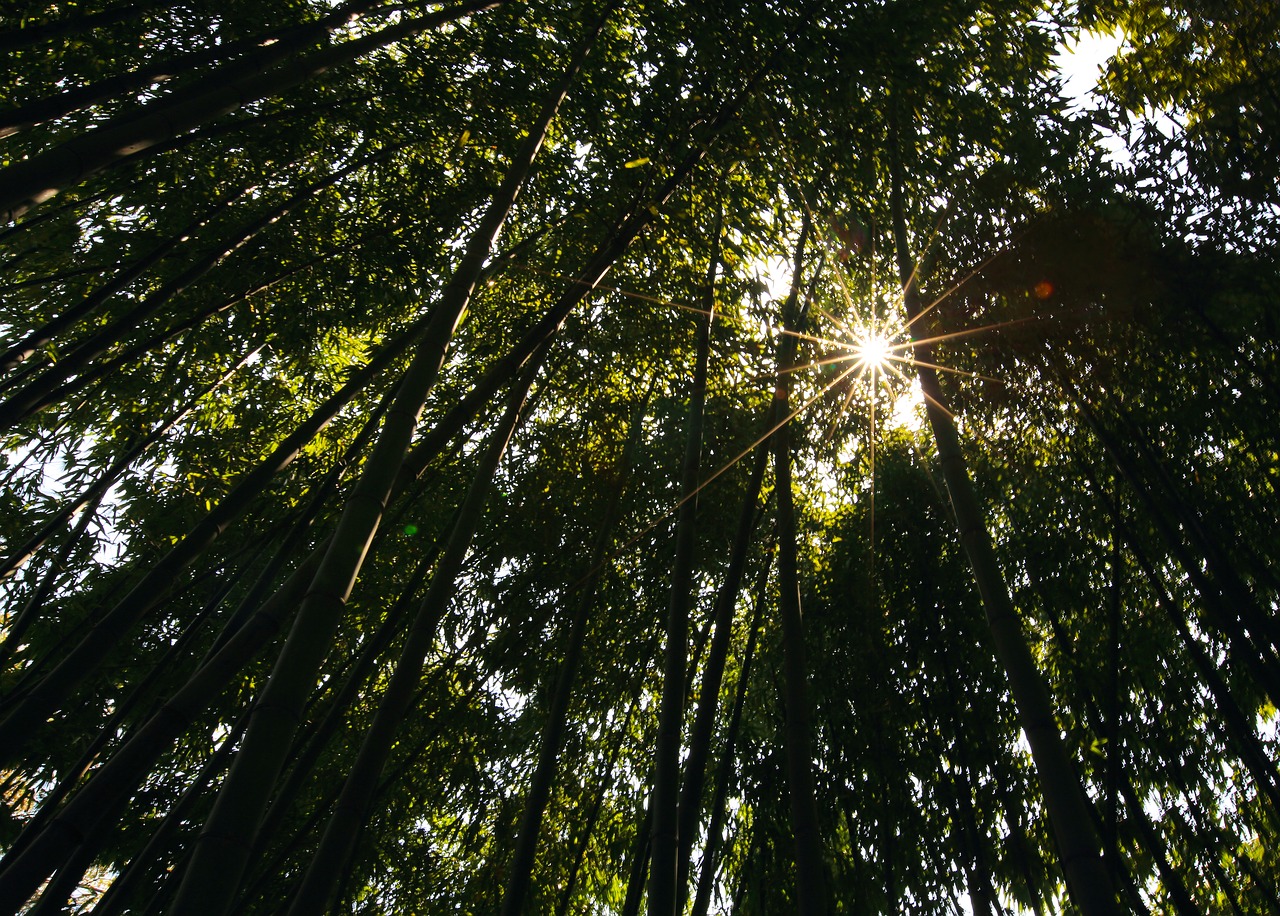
x,y
561,457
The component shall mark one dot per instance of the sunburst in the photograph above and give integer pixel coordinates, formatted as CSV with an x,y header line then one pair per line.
x,y
872,352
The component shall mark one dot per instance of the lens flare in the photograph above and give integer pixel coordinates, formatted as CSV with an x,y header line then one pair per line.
x,y
873,352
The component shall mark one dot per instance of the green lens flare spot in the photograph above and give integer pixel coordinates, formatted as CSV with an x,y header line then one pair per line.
x,y
411,530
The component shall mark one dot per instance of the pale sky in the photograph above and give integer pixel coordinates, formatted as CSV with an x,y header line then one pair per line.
x,y
1081,63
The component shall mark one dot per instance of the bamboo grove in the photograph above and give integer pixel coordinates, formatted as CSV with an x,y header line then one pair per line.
x,y
551,456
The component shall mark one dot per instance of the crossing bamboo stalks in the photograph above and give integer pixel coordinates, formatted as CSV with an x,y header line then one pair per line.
x,y
664,878
244,57
329,862
32,181
17,624
106,367
713,671
252,625
318,738
520,869
121,773
15,39
36,393
222,848
49,694
132,705
127,766
811,877
725,769
30,344
1249,642
95,492
123,890
1078,845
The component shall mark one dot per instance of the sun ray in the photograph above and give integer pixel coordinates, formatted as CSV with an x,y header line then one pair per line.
x,y
933,237
935,403
890,367
844,406
832,318
963,373
967,277
812,338
728,465
871,446
799,367
968,332
976,270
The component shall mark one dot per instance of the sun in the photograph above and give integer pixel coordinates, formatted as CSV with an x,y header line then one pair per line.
x,y
872,352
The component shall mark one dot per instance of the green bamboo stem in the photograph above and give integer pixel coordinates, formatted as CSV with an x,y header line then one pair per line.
x,y
244,57
31,343
32,181
665,880
35,394
52,691
811,878
725,770
315,895
222,848
695,766
520,869
1078,846
95,492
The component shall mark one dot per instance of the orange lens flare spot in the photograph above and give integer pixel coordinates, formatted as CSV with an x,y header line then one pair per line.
x,y
1043,289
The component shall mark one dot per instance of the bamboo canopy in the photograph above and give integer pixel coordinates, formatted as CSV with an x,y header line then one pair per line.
x,y
550,456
